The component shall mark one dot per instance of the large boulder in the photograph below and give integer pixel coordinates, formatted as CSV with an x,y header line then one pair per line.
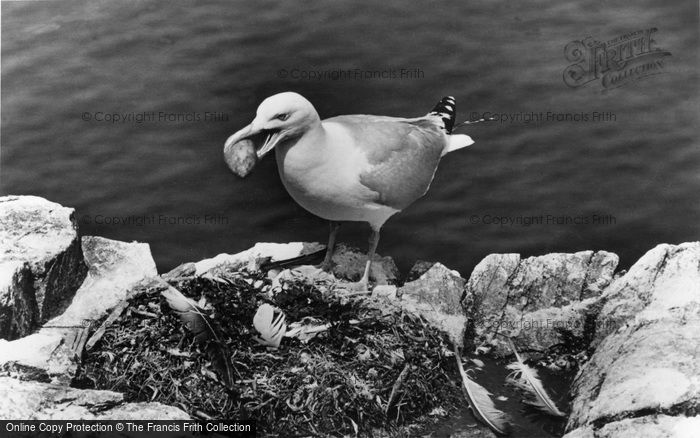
x,y
41,262
114,269
18,309
435,296
650,426
537,300
645,366
665,279
25,400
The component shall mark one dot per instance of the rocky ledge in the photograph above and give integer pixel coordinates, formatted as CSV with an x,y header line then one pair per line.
x,y
633,334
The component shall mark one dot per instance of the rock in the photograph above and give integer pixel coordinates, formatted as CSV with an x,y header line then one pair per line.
x,y
647,368
645,291
419,268
436,296
533,299
546,327
646,360
144,411
387,291
41,401
114,269
584,432
184,270
473,431
44,236
306,274
224,264
39,352
652,426
18,308
350,263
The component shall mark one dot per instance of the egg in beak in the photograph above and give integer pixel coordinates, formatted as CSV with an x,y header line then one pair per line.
x,y
243,149
267,138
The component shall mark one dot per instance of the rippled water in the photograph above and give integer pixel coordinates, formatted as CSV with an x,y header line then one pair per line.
x,y
62,60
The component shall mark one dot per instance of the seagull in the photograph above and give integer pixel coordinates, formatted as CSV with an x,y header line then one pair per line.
x,y
360,168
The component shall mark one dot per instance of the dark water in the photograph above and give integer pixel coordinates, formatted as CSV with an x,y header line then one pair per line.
x,y
63,59
638,171
524,420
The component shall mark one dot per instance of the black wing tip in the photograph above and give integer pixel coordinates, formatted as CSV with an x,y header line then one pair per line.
x,y
447,110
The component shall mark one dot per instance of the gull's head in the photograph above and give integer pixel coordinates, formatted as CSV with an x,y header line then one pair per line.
x,y
281,117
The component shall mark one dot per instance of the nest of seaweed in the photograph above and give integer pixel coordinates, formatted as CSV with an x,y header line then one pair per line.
x,y
370,371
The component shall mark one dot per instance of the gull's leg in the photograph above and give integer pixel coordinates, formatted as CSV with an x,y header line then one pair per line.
x,y
373,242
326,264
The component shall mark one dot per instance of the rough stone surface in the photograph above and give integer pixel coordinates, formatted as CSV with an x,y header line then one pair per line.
x,y
43,235
184,270
533,299
653,426
436,296
538,330
350,263
582,432
475,431
18,308
667,277
114,268
305,273
419,268
42,401
387,291
646,361
645,367
660,426
44,353
224,264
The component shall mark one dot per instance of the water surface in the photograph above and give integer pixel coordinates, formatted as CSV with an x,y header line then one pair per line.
x,y
166,183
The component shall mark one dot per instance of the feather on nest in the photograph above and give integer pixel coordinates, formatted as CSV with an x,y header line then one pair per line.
x,y
527,379
196,320
272,329
480,401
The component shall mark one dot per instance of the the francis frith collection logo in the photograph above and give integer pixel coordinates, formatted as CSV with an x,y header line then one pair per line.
x,y
616,62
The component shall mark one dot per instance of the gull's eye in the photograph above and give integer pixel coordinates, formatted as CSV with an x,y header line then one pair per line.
x,y
282,117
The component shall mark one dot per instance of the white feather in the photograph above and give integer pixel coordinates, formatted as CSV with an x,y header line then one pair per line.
x,y
480,402
526,378
271,329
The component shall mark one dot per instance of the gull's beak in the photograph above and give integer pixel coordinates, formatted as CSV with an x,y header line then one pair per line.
x,y
271,141
240,135
271,138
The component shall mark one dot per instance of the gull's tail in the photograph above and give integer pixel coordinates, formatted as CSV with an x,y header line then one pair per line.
x,y
446,109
